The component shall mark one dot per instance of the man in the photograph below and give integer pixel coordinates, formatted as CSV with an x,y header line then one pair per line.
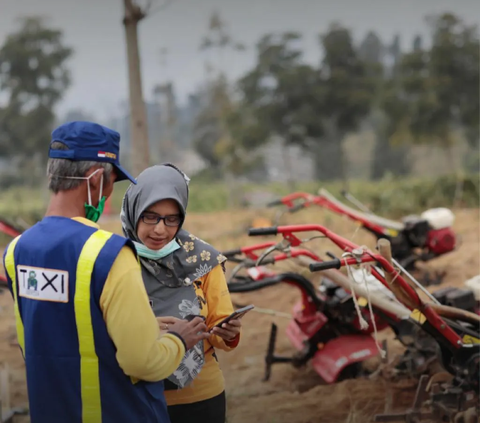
x,y
91,343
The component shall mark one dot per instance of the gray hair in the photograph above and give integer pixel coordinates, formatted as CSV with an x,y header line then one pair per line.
x,y
59,169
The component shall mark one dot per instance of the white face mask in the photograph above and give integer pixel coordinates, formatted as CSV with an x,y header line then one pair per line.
x,y
91,213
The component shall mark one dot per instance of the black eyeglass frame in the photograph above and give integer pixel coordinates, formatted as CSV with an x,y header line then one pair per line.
x,y
159,218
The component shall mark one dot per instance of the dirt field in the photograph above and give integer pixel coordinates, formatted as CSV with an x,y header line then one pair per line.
x,y
291,395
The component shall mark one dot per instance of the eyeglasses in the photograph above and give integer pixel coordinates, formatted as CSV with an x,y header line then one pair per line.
x,y
171,220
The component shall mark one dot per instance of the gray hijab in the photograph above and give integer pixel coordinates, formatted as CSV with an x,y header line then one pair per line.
x,y
169,281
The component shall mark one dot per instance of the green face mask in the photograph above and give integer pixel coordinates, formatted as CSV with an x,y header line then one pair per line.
x,y
94,213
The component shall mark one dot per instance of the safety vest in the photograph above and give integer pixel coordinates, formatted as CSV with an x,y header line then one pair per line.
x,y
57,270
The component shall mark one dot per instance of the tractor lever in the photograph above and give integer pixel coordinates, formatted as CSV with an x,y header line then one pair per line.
x,y
296,208
331,255
275,203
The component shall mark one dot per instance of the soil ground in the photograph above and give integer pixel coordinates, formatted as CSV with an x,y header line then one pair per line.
x,y
291,395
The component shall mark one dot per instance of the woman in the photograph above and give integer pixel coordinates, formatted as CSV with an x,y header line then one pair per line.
x,y
183,276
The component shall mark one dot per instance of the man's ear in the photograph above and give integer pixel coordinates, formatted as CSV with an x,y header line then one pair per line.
x,y
96,174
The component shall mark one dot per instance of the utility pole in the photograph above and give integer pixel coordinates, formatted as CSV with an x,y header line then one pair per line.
x,y
140,152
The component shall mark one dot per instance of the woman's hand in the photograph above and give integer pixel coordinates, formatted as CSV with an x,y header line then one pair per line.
x,y
164,322
229,330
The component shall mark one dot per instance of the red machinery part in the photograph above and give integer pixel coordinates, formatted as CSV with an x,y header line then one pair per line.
x,y
260,272
322,201
304,326
441,241
289,199
250,252
8,230
380,324
341,352
3,281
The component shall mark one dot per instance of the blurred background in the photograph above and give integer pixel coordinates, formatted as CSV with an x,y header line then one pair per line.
x,y
251,99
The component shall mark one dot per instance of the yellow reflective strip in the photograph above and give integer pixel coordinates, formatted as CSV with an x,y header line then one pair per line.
x,y
90,378
12,273
418,316
468,339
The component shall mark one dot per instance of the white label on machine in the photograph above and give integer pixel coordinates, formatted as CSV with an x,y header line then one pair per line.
x,y
42,284
360,276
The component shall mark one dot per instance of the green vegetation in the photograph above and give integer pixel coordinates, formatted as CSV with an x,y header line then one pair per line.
x,y
388,197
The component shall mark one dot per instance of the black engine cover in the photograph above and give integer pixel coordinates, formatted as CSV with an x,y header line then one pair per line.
x,y
416,231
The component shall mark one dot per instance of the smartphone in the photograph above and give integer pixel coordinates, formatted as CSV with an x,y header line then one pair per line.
x,y
237,314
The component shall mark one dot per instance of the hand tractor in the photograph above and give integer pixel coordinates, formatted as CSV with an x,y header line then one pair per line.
x,y
415,238
453,395
334,303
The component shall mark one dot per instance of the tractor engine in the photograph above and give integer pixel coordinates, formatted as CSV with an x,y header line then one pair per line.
x,y
441,241
432,230
441,238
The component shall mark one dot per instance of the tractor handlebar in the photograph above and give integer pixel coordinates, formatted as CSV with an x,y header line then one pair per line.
x,y
232,253
325,265
272,230
275,203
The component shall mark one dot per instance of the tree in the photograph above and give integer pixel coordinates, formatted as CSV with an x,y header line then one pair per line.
x,y
164,93
441,86
395,53
207,130
281,95
247,134
347,99
138,113
417,43
218,37
390,156
212,137
386,105
133,14
33,79
78,114
371,49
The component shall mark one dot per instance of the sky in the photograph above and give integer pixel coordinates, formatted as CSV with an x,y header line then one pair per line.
x,y
93,28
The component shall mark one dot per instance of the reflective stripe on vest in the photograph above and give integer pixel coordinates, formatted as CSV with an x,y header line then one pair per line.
x,y
90,378
89,368
10,266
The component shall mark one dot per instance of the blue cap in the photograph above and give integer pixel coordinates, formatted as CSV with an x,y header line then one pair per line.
x,y
88,141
